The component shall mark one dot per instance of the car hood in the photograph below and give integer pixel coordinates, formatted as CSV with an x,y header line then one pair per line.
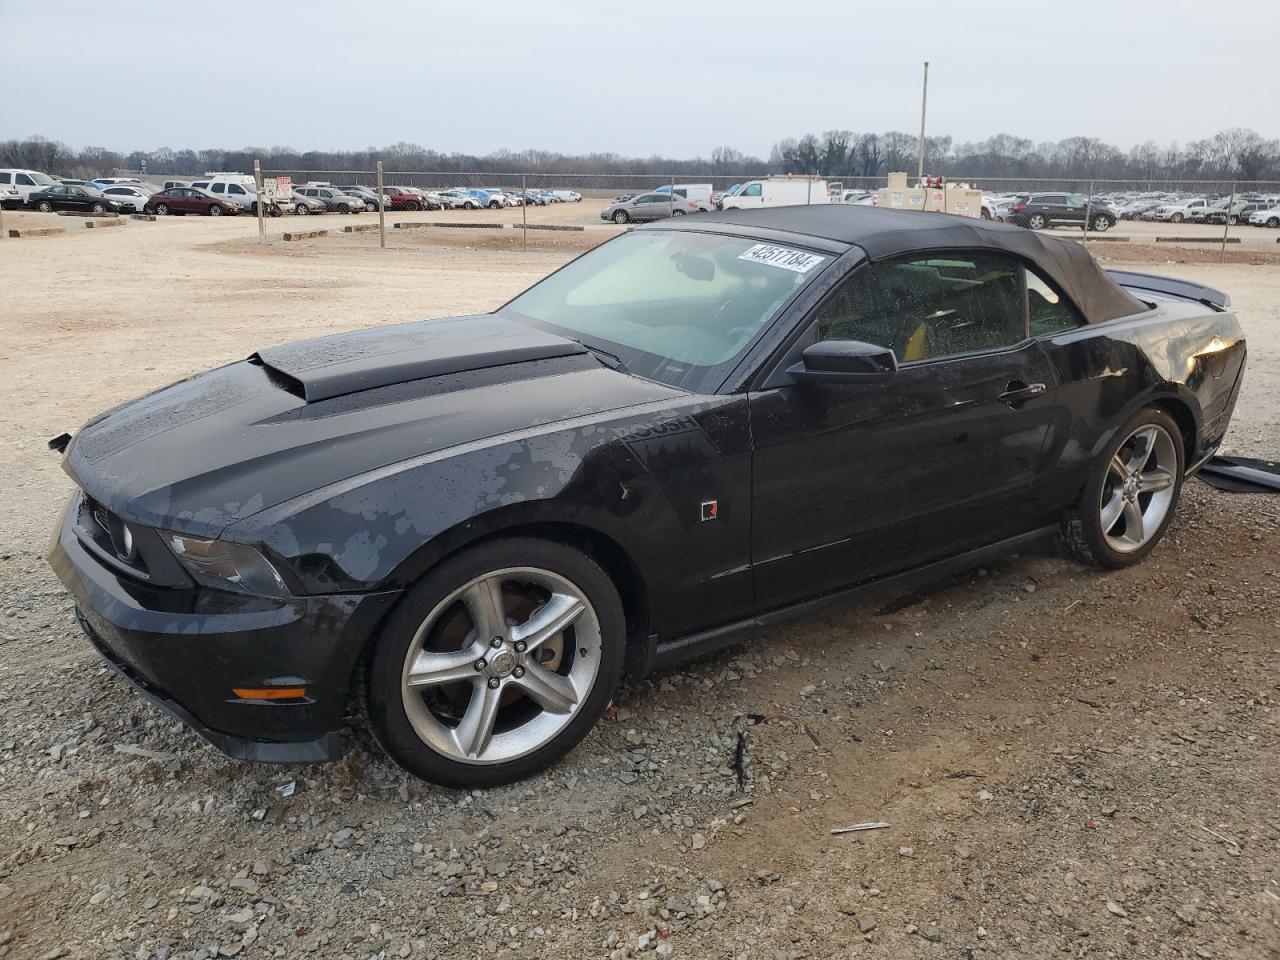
x,y
206,452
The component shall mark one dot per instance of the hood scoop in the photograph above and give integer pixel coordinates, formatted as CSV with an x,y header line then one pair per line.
x,y
350,362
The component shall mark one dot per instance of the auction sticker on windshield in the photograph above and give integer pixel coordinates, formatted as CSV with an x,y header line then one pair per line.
x,y
784,257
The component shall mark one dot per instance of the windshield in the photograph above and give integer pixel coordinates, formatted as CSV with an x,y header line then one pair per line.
x,y
674,306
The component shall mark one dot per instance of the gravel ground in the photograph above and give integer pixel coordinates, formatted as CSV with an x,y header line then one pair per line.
x,y
1068,762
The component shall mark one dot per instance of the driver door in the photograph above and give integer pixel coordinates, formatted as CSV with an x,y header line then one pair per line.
x,y
854,480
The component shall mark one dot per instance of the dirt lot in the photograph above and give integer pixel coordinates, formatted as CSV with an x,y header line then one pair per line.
x,y
1069,762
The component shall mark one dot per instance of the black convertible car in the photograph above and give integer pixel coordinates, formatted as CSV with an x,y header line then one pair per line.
x,y
467,529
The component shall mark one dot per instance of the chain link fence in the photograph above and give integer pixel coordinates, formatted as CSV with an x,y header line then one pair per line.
x,y
1217,203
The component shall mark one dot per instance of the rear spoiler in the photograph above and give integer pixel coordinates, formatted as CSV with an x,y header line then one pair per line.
x,y
1170,287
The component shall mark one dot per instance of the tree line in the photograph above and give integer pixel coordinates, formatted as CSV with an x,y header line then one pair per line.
x,y
1237,153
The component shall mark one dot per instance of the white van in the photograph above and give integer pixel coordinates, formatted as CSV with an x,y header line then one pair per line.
x,y
24,182
702,194
778,192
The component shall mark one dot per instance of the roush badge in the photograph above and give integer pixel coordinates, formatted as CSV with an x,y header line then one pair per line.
x,y
795,260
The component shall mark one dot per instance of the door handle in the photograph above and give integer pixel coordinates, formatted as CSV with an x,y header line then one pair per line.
x,y
1018,392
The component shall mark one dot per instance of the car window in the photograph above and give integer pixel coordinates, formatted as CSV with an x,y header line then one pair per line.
x,y
933,307
1048,310
751,190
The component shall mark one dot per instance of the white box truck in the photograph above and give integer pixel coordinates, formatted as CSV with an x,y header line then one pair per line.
x,y
779,192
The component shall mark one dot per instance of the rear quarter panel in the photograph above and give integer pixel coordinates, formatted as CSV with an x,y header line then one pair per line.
x,y
1185,356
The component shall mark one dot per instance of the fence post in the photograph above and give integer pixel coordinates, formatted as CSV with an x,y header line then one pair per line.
x,y
257,186
382,206
1226,223
1088,212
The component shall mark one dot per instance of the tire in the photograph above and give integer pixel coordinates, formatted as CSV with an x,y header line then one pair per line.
x,y
1102,223
1037,221
621,216
215,210
1176,218
408,721
1098,528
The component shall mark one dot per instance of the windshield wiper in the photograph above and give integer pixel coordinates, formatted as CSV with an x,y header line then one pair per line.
x,y
610,360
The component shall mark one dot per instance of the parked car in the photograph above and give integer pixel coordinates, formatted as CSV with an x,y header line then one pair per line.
x,y
1042,210
750,415
648,206
308,206
131,197
333,198
72,197
702,194
184,200
486,199
463,199
1266,218
25,182
1178,211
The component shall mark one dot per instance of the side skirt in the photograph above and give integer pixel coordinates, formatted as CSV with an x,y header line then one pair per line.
x,y
651,656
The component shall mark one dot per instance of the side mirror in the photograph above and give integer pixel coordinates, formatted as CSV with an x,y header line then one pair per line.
x,y
848,361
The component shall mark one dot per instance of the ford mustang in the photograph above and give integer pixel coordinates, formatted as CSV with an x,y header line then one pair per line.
x,y
462,532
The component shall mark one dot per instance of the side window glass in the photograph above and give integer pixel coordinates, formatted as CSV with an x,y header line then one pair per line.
x,y
932,307
1049,310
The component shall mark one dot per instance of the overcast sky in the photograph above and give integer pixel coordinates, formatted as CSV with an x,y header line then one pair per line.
x,y
675,79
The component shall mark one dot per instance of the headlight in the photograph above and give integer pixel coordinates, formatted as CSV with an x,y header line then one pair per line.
x,y
228,566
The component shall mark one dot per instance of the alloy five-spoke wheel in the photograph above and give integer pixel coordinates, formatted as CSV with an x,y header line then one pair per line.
x,y
496,663
1132,494
530,654
1138,491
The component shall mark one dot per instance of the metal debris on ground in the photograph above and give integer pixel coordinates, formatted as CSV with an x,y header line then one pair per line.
x,y
855,827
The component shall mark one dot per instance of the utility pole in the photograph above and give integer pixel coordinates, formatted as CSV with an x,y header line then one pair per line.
x,y
924,102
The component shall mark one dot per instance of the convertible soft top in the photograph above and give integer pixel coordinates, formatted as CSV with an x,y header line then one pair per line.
x,y
884,233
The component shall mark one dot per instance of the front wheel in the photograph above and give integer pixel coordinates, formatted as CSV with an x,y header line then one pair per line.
x,y
1131,497
497,663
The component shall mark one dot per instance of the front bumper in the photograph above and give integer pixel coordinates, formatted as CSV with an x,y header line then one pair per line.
x,y
186,649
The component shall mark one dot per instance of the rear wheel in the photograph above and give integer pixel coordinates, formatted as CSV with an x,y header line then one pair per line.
x,y
1131,497
496,663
